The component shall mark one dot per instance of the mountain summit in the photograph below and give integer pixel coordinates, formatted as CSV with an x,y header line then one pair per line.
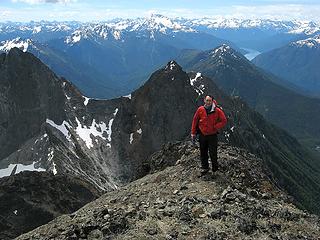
x,y
239,202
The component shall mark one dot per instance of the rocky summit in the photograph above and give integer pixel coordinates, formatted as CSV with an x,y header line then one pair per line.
x,y
237,202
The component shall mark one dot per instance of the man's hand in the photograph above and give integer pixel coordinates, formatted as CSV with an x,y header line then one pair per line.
x,y
193,137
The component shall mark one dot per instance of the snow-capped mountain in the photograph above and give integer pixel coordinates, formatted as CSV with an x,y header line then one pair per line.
x,y
258,34
39,31
154,23
93,31
113,58
312,42
225,51
295,26
155,27
297,63
6,46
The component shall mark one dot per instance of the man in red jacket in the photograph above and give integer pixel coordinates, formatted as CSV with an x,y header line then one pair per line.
x,y
208,119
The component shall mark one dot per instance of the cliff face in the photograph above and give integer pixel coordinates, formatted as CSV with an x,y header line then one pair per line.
x,y
31,199
238,202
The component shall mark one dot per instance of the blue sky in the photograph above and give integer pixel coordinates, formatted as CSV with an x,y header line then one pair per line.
x,y
99,10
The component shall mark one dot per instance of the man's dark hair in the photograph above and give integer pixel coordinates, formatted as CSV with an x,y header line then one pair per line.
x,y
208,95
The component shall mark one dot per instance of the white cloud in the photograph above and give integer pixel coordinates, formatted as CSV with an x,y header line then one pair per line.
x,y
271,11
43,1
89,12
279,11
5,13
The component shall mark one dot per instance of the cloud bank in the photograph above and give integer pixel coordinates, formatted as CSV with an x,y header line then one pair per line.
x,y
43,1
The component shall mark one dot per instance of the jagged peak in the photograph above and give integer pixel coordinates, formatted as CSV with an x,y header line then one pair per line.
x,y
97,31
225,51
22,44
224,48
173,66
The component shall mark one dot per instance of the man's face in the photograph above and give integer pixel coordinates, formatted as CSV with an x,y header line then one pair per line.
x,y
208,101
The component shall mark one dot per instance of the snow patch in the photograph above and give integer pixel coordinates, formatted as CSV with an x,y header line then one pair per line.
x,y
54,170
36,29
96,130
223,48
117,35
20,168
128,96
50,155
139,131
131,138
62,128
171,65
109,130
192,81
74,38
86,100
85,132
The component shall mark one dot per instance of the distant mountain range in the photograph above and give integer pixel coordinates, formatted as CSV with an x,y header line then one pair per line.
x,y
257,34
297,63
106,60
113,58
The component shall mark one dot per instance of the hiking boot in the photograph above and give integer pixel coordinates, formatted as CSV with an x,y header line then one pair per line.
x,y
215,167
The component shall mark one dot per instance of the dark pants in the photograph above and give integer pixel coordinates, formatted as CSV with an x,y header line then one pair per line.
x,y
209,142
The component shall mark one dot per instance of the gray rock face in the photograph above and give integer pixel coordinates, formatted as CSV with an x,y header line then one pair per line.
x,y
105,142
224,205
31,199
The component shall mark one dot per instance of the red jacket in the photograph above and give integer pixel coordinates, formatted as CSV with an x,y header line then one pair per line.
x,y
208,123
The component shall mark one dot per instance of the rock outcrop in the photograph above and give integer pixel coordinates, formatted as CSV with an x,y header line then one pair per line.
x,y
237,202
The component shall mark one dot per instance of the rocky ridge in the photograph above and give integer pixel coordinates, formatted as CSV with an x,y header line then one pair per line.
x,y
237,202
